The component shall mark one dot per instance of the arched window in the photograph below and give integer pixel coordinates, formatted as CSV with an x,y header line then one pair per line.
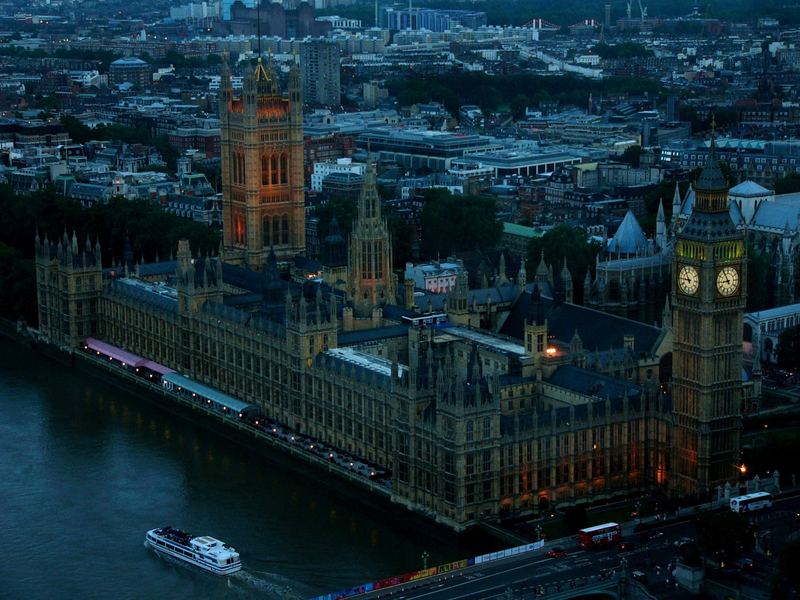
x,y
285,229
276,231
239,233
264,170
265,231
273,165
284,169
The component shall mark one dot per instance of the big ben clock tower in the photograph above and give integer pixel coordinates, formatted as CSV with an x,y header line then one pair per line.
x,y
708,298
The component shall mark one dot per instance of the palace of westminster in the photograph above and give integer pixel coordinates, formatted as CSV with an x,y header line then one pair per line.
x,y
548,402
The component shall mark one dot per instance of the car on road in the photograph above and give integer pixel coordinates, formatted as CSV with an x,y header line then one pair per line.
x,y
626,546
556,553
638,576
655,535
744,564
682,542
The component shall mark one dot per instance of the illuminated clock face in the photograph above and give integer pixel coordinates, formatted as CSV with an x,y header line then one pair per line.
x,y
688,280
727,281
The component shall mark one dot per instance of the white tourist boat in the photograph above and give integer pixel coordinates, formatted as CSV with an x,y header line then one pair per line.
x,y
203,551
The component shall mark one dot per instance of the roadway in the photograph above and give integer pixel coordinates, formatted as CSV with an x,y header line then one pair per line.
x,y
653,551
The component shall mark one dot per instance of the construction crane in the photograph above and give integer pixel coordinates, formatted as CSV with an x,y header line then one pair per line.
x,y
643,11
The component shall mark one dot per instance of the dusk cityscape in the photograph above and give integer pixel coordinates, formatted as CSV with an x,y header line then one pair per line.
x,y
442,300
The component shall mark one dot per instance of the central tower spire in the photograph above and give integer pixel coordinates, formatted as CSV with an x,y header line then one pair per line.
x,y
371,281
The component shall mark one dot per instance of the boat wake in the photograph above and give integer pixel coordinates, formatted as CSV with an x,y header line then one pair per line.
x,y
245,582
271,584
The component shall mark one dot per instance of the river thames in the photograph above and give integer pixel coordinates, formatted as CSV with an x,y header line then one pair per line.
x,y
87,468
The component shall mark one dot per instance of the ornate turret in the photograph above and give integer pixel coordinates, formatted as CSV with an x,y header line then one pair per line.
x,y
542,272
501,270
296,88
661,228
587,286
69,282
676,207
371,282
566,282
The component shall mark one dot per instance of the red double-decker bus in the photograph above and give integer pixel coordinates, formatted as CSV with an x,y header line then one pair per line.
x,y
599,535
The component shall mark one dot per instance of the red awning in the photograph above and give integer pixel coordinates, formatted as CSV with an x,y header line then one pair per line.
x,y
115,353
154,366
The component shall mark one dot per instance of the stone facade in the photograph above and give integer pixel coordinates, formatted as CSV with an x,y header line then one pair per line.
x,y
262,167
473,425
708,298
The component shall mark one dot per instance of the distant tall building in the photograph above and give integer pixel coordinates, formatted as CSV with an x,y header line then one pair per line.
x,y
132,70
241,18
227,4
262,167
437,20
320,68
708,298
673,108
607,17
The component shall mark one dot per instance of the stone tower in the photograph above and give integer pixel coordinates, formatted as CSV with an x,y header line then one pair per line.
x,y
197,280
69,281
708,299
262,167
371,281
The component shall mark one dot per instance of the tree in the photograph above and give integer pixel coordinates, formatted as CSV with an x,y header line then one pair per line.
x,y
343,208
78,132
724,536
403,242
518,105
788,349
787,583
632,155
565,241
758,279
456,223
17,285
788,184
575,518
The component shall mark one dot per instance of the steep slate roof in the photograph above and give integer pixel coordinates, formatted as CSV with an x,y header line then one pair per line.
x,y
687,206
629,238
774,215
350,338
748,188
595,328
592,383
711,177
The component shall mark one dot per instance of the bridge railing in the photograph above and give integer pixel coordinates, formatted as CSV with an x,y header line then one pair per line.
x,y
420,576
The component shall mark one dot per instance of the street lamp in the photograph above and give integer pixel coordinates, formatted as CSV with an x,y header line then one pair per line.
x,y
742,478
425,557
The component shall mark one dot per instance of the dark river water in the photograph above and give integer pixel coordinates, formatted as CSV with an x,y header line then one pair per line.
x,y
86,469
